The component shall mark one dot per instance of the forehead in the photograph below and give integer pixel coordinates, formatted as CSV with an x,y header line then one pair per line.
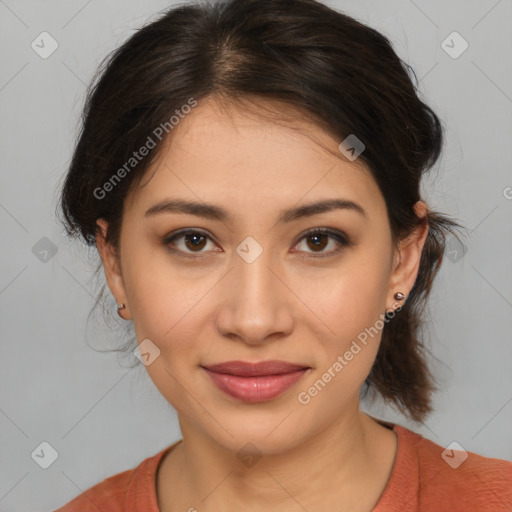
x,y
245,159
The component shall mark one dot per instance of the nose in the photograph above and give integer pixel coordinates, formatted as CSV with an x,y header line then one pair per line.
x,y
256,306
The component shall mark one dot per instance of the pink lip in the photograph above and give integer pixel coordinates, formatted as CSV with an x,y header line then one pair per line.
x,y
255,382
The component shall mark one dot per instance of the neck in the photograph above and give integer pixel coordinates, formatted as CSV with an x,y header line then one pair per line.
x,y
343,467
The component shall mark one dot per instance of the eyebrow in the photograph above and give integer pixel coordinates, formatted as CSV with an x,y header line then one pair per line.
x,y
214,212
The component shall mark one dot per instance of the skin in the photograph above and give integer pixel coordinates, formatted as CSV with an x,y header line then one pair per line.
x,y
287,305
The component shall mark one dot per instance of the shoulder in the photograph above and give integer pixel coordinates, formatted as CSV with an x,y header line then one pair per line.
x,y
452,477
108,494
122,492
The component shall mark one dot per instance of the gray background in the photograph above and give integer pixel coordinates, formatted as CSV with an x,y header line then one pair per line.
x,y
103,418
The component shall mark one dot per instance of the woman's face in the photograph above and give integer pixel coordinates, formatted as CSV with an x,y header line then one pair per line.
x,y
249,284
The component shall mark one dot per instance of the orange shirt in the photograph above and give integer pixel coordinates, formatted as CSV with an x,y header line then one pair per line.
x,y
424,479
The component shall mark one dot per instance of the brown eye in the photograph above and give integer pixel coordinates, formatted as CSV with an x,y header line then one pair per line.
x,y
195,241
317,240
187,242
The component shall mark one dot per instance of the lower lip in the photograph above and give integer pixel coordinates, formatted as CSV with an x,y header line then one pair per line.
x,y
255,389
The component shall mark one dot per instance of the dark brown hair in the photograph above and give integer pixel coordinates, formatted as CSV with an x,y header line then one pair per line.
x,y
331,69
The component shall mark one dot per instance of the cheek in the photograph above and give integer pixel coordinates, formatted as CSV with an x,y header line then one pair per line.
x,y
350,308
163,296
353,309
347,299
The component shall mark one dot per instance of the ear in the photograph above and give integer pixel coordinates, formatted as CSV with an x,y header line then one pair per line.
x,y
406,260
112,268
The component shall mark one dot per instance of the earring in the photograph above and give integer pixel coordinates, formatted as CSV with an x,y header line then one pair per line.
x,y
119,307
397,296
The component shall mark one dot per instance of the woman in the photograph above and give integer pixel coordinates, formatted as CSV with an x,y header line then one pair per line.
x,y
249,172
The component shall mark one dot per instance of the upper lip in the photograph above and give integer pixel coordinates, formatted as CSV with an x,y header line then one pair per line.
x,y
248,369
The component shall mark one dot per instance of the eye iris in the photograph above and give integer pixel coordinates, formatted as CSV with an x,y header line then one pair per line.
x,y
196,237
318,244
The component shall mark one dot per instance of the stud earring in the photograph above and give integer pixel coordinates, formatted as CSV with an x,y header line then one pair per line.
x,y
398,296
119,307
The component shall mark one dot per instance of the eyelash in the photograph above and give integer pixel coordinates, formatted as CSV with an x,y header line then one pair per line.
x,y
341,238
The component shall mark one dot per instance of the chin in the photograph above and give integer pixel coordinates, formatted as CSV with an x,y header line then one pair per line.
x,y
270,434
246,443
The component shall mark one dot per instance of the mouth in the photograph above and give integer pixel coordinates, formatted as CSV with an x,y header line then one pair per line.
x,y
255,382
